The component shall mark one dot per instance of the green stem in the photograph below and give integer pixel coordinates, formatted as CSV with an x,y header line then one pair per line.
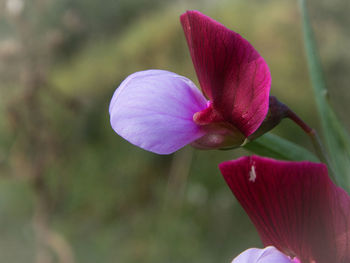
x,y
336,137
313,57
315,139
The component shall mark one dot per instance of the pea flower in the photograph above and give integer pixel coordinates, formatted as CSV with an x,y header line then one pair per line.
x,y
294,206
161,111
267,255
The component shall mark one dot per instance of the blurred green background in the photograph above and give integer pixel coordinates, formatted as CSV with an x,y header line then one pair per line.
x,y
71,190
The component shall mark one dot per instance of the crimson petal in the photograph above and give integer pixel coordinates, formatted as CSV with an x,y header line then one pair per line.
x,y
230,71
294,206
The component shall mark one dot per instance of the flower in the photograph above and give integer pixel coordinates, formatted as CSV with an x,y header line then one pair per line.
x,y
161,111
294,206
267,255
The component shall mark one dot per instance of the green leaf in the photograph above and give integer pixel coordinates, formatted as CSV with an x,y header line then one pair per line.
x,y
336,137
273,146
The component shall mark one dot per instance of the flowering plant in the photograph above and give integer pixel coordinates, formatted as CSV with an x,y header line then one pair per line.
x,y
300,214
232,75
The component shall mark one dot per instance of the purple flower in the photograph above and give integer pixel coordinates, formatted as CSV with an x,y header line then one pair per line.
x,y
294,206
266,255
161,111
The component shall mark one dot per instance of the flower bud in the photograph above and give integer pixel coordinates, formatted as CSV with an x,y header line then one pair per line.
x,y
277,112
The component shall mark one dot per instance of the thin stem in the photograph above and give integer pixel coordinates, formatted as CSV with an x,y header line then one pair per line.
x,y
178,176
315,139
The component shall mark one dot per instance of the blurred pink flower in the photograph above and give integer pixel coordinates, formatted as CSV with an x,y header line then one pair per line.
x,y
294,206
161,111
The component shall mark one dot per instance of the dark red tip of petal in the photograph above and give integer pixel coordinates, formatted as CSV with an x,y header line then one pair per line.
x,y
294,206
230,71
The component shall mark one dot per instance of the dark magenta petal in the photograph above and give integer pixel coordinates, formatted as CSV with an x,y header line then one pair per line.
x,y
294,206
230,71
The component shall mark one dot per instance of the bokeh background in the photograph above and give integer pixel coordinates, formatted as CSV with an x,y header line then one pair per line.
x,y
71,190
